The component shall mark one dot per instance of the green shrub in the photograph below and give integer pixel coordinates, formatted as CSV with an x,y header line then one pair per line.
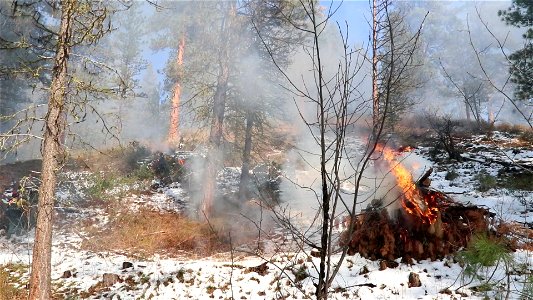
x,y
134,154
527,292
451,175
482,253
300,273
100,185
485,181
517,181
143,173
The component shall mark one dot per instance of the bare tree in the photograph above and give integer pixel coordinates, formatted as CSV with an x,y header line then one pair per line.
x,y
375,92
445,128
473,93
399,59
339,106
524,108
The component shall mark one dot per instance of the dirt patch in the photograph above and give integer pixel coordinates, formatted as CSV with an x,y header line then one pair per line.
x,y
14,172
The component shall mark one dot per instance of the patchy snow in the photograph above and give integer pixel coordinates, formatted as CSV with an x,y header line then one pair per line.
x,y
170,198
223,278
290,275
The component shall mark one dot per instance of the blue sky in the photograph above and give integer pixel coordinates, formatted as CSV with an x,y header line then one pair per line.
x,y
356,14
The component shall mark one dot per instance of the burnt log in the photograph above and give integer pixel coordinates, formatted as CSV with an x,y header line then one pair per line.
x,y
424,181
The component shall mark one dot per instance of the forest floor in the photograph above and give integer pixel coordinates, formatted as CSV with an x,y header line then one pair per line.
x,y
121,237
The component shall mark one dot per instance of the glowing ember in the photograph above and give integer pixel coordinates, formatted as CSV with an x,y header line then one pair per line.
x,y
405,149
412,201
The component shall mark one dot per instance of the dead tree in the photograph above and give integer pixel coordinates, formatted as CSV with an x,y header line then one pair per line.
x,y
445,129
524,109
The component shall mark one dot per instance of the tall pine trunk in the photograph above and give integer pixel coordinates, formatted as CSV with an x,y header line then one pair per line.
x,y
245,171
215,155
53,154
173,132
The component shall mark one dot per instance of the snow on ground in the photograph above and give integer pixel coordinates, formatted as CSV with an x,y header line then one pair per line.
x,y
222,278
288,275
509,205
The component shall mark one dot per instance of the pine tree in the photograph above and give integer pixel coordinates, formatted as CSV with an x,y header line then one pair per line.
x,y
520,14
60,34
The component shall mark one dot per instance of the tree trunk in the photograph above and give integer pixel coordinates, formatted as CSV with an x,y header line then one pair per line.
x,y
467,110
322,286
52,152
173,132
490,118
245,171
375,98
214,156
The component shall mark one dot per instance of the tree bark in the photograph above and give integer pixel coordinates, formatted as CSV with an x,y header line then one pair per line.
x,y
53,154
214,156
467,110
322,286
245,171
173,133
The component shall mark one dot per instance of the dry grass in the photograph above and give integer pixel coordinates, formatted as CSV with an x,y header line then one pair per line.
x,y
8,291
111,161
147,232
520,237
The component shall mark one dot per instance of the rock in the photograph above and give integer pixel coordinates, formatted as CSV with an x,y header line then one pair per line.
x,y
364,270
387,264
66,274
126,265
382,265
315,253
414,280
110,279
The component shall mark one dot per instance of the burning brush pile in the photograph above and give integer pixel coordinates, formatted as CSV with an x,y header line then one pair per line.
x,y
427,225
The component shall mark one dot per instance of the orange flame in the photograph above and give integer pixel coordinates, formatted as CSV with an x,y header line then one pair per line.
x,y
413,202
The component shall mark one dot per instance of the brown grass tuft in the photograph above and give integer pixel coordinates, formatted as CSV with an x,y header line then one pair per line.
x,y
147,232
